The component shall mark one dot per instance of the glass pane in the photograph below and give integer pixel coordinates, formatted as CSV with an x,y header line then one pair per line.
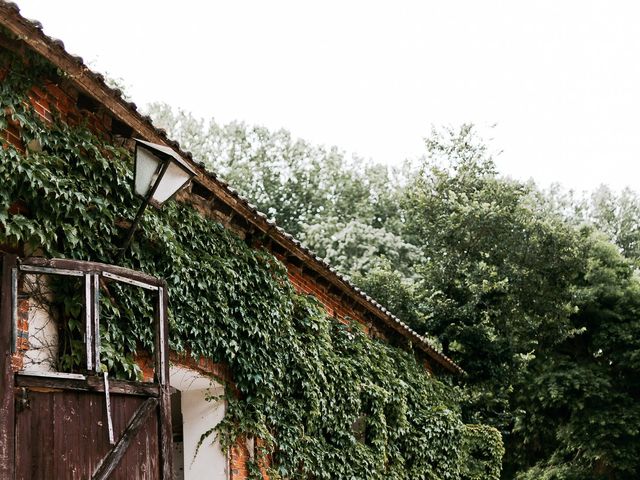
x,y
173,179
147,166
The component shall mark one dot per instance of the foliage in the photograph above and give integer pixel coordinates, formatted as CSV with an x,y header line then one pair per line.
x,y
302,378
408,422
482,444
496,281
617,215
357,247
589,384
514,285
504,276
540,311
386,284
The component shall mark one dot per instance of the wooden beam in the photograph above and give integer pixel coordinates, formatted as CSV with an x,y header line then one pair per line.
x,y
162,364
7,386
294,260
91,267
311,273
90,384
111,461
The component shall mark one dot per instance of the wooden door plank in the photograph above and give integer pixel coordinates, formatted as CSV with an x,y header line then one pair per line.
x,y
110,462
89,384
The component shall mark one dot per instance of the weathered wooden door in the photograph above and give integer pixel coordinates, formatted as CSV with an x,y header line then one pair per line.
x,y
83,425
62,434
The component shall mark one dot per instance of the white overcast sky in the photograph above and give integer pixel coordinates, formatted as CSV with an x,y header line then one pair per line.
x,y
561,78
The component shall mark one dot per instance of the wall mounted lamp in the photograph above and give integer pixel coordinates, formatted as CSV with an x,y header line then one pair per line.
x,y
159,174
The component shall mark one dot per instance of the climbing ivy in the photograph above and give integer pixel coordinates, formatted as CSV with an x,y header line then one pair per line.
x,y
302,380
482,444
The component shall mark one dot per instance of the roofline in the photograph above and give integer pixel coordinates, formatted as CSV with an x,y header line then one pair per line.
x,y
126,112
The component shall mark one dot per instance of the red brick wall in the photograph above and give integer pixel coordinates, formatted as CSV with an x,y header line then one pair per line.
x,y
220,371
335,308
51,97
238,457
22,335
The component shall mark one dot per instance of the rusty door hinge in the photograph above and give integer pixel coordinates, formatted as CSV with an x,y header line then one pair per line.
x,y
22,399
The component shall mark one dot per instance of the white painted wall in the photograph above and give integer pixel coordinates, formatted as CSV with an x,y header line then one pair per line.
x,y
43,329
198,416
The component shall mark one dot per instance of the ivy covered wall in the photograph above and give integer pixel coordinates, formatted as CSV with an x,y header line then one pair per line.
x,y
303,379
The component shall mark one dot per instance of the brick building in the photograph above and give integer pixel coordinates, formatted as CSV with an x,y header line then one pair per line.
x,y
81,95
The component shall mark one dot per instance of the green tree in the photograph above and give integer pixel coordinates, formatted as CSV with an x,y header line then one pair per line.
x,y
355,247
615,214
395,291
496,281
578,405
511,281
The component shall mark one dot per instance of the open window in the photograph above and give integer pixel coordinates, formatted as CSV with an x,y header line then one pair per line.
x,y
66,319
43,339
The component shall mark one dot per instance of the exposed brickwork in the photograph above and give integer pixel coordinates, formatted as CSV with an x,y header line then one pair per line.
x,y
22,334
263,463
206,366
11,135
334,306
240,454
146,364
238,457
49,100
337,307
22,330
40,103
17,362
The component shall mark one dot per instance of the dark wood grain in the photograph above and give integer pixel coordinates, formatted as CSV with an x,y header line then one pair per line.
x,y
7,404
63,435
111,461
162,362
90,384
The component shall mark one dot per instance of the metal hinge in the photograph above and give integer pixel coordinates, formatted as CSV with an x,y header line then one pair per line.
x,y
22,400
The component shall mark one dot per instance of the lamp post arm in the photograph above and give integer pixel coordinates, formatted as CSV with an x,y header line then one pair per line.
x,y
132,229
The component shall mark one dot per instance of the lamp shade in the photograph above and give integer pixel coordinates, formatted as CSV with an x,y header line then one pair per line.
x,y
159,172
